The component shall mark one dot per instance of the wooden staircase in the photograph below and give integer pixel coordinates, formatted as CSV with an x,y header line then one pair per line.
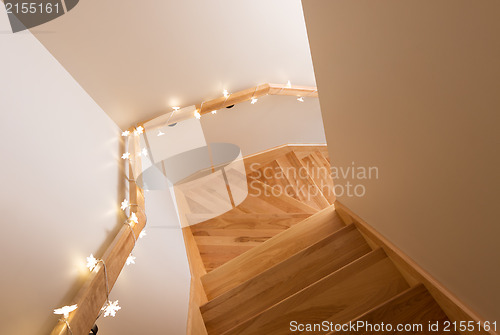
x,y
289,252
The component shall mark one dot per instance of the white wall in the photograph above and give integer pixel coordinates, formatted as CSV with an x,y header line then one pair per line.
x,y
271,121
60,183
154,292
412,87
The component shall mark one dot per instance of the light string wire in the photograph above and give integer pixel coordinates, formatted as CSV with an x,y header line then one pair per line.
x,y
255,91
169,117
223,103
132,230
68,327
107,287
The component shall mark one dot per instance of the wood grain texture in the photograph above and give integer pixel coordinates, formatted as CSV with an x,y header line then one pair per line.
x,y
319,170
272,175
255,92
298,177
265,199
254,161
197,296
415,306
195,323
341,296
451,305
271,252
284,279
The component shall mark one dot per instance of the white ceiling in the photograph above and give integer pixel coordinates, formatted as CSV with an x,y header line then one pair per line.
x,y
136,59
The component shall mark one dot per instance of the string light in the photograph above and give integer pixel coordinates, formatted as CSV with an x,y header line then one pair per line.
x,y
254,100
126,155
176,108
160,133
142,233
225,93
214,112
65,310
126,133
288,84
301,99
92,262
139,130
111,308
125,204
197,114
144,152
133,218
130,259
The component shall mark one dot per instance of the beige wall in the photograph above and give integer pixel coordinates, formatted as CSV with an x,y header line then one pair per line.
x,y
413,87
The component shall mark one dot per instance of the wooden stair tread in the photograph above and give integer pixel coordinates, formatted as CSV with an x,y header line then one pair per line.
x,y
262,199
223,238
413,306
320,171
239,220
252,162
271,252
284,279
341,296
273,175
298,177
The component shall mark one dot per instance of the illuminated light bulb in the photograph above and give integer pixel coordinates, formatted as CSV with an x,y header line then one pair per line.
x,y
160,133
288,84
254,100
143,233
65,310
301,99
145,152
92,262
126,155
226,93
214,112
133,218
130,260
125,204
176,108
126,133
197,114
111,308
139,130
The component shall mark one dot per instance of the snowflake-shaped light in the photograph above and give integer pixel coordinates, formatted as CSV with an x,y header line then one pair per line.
x,y
288,84
139,130
226,93
254,100
111,308
125,204
65,310
144,152
197,114
160,133
125,133
214,112
142,233
92,262
126,155
130,259
301,99
176,108
133,218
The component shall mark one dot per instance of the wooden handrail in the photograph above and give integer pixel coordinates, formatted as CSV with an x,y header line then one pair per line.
x,y
92,295
256,92
247,94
